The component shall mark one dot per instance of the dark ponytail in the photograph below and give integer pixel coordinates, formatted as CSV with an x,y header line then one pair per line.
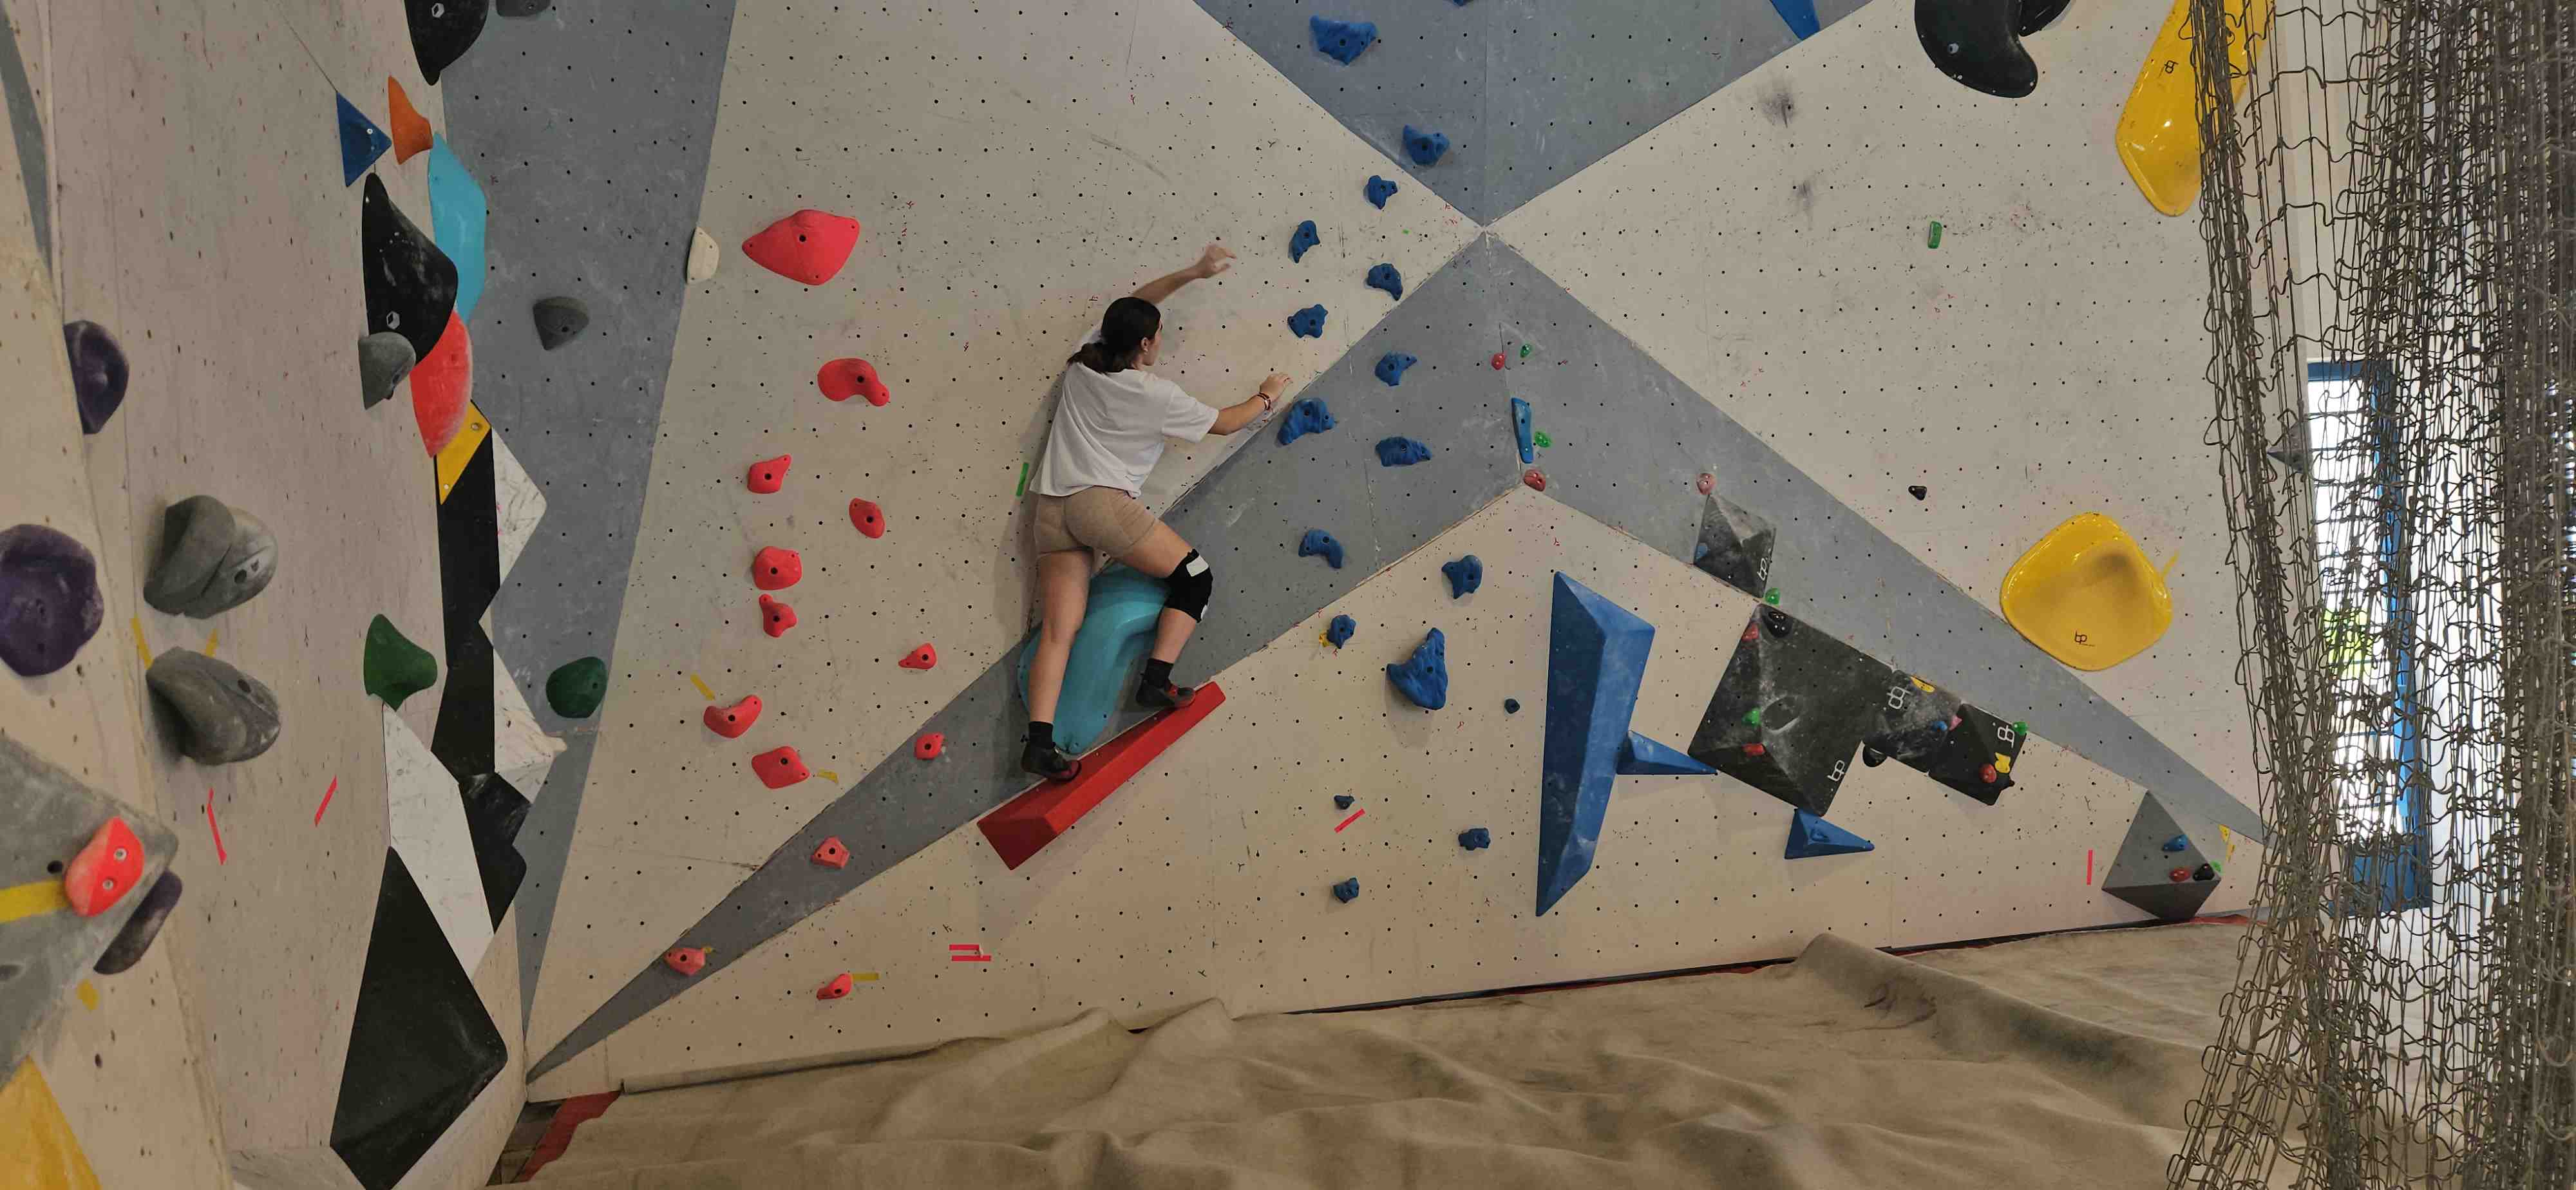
x,y
1123,331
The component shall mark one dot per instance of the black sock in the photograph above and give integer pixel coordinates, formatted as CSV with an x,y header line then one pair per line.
x,y
1042,734
1158,674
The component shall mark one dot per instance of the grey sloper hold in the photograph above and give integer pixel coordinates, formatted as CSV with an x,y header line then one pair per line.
x,y
221,714
384,358
213,558
560,320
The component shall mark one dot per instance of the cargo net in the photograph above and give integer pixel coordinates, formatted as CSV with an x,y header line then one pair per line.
x,y
2389,206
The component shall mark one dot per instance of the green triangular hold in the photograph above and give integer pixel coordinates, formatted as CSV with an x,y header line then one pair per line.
x,y
575,689
395,668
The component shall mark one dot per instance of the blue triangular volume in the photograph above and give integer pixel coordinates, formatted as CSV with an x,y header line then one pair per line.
x,y
361,142
1596,660
1810,836
1800,16
1642,757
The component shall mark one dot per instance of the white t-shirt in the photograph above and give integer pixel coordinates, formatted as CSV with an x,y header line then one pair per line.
x,y
1109,430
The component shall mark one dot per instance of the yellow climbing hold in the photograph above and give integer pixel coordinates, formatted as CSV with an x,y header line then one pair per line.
x,y
2159,132
460,449
37,1148
2087,595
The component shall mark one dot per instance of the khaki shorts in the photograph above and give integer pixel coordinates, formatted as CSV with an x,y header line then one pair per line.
x,y
1103,519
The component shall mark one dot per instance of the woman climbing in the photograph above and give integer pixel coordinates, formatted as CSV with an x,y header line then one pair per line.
x,y
1110,423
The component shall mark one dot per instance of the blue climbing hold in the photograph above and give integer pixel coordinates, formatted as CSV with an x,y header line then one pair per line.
x,y
456,215
1342,801
1310,416
1521,430
1810,836
1465,575
1317,542
1385,277
1341,630
1380,190
1308,323
1305,238
1117,630
1511,706
1391,368
1342,41
1401,452
1642,757
1424,147
1424,678
1801,16
2177,843
1475,838
1596,662
361,142
1347,891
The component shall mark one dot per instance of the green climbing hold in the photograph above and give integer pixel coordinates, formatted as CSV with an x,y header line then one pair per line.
x,y
1772,597
2020,728
575,689
1525,350
1753,718
1932,238
395,668
1539,439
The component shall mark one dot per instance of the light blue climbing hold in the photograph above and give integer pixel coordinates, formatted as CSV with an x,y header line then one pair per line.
x,y
1305,238
1385,277
1342,801
1390,368
1310,416
1521,430
1465,575
1423,678
1347,891
2178,843
1342,41
1810,836
1800,15
1117,631
1401,452
361,142
1424,147
1475,838
456,215
1596,661
1317,543
1341,630
1380,190
1308,323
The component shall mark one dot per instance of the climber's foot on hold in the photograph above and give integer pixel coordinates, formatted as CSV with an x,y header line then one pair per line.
x,y
1050,762
1164,696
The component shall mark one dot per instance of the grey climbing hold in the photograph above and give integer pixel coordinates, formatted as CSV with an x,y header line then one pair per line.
x,y
521,9
98,373
1317,543
1379,190
1385,277
49,599
384,358
1347,891
213,558
221,714
1305,238
1465,575
1475,838
1734,545
1401,452
1342,801
560,320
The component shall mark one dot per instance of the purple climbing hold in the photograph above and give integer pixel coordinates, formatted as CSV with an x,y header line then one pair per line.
x,y
1401,452
1305,238
49,599
1308,323
1342,41
98,373
1385,277
1380,190
1391,367
1318,543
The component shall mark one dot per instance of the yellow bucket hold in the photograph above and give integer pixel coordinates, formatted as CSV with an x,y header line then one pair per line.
x,y
2159,133
2087,595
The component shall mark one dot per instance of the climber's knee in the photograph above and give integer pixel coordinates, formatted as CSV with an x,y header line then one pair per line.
x,y
1190,584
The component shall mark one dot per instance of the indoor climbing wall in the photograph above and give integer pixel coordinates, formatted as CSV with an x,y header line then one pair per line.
x,y
1812,342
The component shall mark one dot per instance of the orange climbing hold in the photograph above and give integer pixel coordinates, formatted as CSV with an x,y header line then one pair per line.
x,y
106,869
808,246
730,722
929,745
843,379
833,853
775,569
687,960
921,657
869,518
780,768
441,385
411,129
768,475
775,617
839,987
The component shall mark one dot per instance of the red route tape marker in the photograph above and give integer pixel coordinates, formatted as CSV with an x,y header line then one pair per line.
x,y
2088,865
970,958
968,947
326,801
217,831
1355,816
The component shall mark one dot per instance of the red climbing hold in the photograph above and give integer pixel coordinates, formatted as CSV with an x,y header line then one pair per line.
x,y
869,518
832,854
839,987
107,868
1755,749
1707,483
1535,478
929,745
1498,361
730,722
2178,875
1752,635
441,385
775,617
921,657
779,768
687,960
808,246
775,569
843,379
1988,772
768,475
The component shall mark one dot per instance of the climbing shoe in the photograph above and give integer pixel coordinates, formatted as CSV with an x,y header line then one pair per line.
x,y
1050,762
1165,696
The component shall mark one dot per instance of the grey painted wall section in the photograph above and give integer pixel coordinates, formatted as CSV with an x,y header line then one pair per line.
x,y
27,129
1528,92
1631,441
589,130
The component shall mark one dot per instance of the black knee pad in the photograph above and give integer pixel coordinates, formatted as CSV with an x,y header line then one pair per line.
x,y
1187,588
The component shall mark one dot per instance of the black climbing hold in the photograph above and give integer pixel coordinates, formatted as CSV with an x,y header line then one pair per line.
x,y
1317,543
1424,147
49,599
1475,838
1401,452
1973,42
1511,706
1305,238
560,320
1391,366
441,32
1872,757
1342,41
98,373
384,358
521,9
575,689
1385,277
1340,631
1342,801
1734,545
213,558
1310,416
1347,891
2031,16
1918,491
411,285
1465,575
221,715
136,935
2205,872
1308,323
1380,190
